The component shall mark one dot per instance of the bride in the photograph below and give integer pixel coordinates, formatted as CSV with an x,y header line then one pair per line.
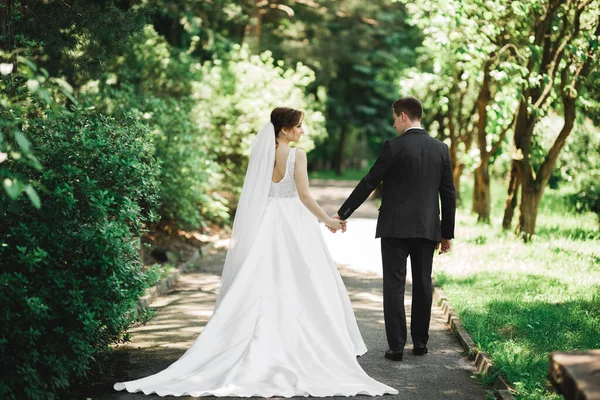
x,y
283,324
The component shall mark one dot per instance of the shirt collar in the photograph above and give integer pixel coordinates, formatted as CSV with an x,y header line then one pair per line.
x,y
414,127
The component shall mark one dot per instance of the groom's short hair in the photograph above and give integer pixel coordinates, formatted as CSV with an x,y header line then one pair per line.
x,y
411,106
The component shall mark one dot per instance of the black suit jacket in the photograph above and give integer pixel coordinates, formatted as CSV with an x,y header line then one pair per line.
x,y
416,171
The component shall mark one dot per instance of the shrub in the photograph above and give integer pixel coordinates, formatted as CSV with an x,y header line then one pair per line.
x,y
70,272
235,98
204,117
152,82
25,91
588,199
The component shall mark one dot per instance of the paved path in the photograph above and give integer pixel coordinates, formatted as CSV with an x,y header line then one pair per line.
x,y
444,373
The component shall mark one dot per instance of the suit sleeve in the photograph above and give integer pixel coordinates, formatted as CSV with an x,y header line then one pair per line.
x,y
369,182
448,198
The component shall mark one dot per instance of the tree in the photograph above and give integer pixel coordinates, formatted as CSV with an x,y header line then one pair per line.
x,y
7,29
75,38
357,50
563,56
469,57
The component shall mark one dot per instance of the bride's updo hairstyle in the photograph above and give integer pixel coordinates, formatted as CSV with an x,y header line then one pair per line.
x,y
285,117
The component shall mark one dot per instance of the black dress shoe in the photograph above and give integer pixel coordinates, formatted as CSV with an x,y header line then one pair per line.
x,y
395,355
420,350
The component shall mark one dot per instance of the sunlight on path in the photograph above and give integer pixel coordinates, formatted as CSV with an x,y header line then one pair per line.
x,y
357,248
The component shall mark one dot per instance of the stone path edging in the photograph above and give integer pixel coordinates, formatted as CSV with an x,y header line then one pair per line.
x,y
485,366
172,277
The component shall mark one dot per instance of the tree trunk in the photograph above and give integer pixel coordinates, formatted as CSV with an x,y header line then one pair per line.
x,y
481,192
523,126
533,185
339,158
460,168
456,175
253,31
475,200
481,188
512,197
531,194
7,33
457,167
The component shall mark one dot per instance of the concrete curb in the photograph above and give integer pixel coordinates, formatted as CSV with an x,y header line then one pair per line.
x,y
172,277
483,363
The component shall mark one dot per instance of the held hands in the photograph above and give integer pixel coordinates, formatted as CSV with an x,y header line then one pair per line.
x,y
335,223
445,245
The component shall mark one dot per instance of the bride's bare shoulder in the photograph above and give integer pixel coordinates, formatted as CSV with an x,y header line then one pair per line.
x,y
300,154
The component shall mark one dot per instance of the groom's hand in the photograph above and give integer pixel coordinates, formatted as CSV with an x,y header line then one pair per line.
x,y
445,245
343,222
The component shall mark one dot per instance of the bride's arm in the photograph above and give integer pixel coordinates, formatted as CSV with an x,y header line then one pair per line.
x,y
301,177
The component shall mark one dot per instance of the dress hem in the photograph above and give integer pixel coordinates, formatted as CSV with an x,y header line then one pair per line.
x,y
305,393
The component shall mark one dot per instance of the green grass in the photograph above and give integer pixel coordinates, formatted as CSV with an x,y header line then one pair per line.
x,y
348,175
522,301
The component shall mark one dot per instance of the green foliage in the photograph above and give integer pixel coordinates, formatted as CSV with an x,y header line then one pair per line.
x,y
190,178
204,117
235,98
348,175
206,29
357,50
450,72
156,272
588,197
70,271
579,166
25,91
153,83
78,36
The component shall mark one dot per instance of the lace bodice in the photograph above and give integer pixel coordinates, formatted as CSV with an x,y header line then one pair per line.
x,y
286,187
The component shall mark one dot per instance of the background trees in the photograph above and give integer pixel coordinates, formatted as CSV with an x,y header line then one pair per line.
x,y
564,42
507,66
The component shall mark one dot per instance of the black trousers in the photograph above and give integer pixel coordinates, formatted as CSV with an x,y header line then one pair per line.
x,y
394,253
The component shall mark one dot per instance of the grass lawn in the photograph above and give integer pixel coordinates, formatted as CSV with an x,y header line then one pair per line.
x,y
348,175
522,301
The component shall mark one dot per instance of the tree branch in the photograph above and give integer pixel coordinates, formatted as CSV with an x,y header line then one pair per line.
x,y
558,53
498,143
569,98
69,6
506,47
469,132
340,14
541,30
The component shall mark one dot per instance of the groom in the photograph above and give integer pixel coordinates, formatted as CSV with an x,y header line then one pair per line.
x,y
415,169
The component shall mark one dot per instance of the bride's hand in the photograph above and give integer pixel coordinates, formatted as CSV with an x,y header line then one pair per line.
x,y
334,224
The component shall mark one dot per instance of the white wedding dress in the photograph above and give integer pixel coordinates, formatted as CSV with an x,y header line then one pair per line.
x,y
286,325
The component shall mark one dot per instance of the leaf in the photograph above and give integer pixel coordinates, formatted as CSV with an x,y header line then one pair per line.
x,y
27,62
63,84
22,141
66,88
35,162
70,97
33,196
46,96
33,85
13,187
